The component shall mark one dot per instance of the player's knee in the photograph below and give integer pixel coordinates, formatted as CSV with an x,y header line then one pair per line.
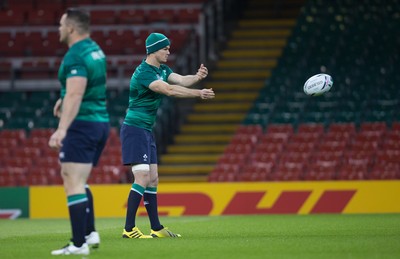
x,y
153,180
144,168
141,173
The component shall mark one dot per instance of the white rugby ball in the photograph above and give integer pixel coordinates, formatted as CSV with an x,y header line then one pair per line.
x,y
318,84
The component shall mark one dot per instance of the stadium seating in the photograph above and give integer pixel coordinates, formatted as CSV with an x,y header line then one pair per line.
x,y
350,133
33,37
356,119
339,152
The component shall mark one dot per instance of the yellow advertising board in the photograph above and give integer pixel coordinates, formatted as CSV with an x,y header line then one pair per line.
x,y
180,199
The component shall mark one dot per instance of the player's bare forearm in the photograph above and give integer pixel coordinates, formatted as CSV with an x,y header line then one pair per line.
x,y
180,91
189,80
70,108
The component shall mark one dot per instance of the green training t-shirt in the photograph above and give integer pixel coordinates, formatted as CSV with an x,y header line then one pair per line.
x,y
86,59
143,102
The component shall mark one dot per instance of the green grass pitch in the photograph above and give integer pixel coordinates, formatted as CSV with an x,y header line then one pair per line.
x,y
261,236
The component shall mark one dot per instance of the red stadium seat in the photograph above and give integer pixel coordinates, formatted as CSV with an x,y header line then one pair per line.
x,y
47,162
311,128
112,150
12,17
161,15
391,143
333,146
7,180
393,136
280,128
4,152
18,161
306,147
125,39
50,152
327,155
342,127
384,173
188,16
224,172
274,138
250,130
132,16
5,67
44,16
52,42
289,169
112,2
41,133
261,157
103,17
35,70
396,126
306,137
13,48
359,157
9,143
255,172
15,170
110,160
373,126
269,148
321,171
244,139
37,180
31,152
375,136
17,134
239,149
111,46
363,146
222,177
352,172
388,157
238,159
337,136
178,38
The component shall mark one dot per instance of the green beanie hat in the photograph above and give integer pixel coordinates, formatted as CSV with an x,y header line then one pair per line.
x,y
156,41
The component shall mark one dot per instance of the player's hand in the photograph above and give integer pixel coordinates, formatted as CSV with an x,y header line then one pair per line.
x,y
57,108
202,72
207,94
56,138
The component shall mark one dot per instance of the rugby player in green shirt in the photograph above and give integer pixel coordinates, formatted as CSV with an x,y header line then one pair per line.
x,y
150,82
83,127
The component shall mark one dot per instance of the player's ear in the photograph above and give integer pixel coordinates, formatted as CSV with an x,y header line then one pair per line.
x,y
70,28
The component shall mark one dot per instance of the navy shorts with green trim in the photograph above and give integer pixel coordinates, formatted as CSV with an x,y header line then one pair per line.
x,y
84,142
138,146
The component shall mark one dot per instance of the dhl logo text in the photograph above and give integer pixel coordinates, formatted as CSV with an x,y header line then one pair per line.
x,y
246,202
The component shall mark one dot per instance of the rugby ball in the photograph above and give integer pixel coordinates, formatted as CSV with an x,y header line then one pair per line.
x,y
318,84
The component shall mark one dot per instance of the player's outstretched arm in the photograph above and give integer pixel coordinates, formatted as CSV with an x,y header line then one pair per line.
x,y
178,91
188,80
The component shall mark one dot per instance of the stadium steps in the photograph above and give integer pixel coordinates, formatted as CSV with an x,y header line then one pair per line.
x,y
257,9
196,149
250,55
227,128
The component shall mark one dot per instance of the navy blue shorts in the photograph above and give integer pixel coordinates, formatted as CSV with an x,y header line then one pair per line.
x,y
84,142
138,146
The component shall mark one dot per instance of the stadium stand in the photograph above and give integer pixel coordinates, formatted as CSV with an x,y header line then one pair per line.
x,y
261,126
353,132
29,62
